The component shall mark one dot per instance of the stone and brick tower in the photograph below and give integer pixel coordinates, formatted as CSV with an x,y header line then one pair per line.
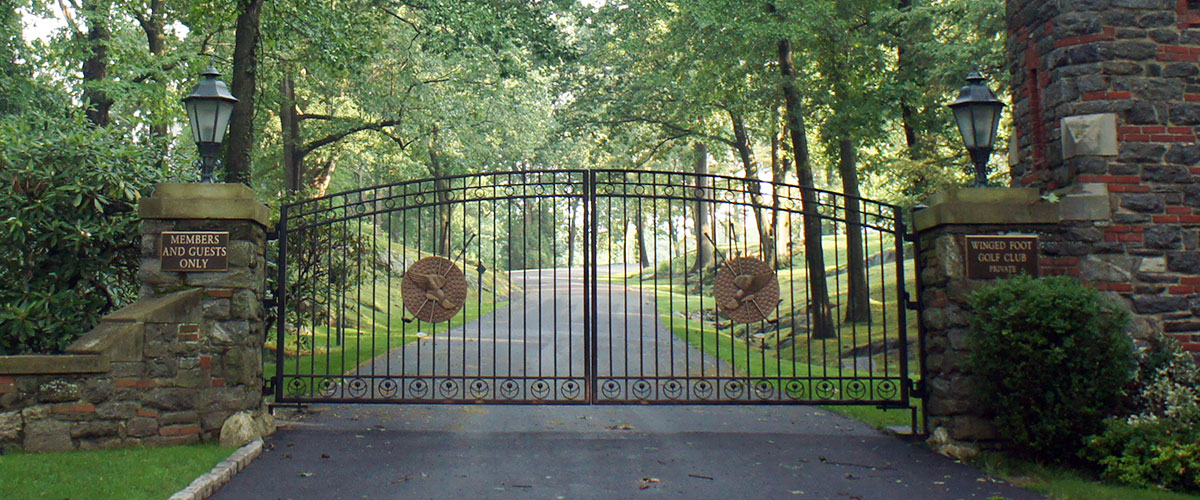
x,y
1106,99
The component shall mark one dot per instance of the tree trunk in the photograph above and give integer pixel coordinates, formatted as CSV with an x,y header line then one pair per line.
x,y
152,24
704,249
441,210
741,141
819,306
289,126
97,103
243,82
858,301
643,256
904,68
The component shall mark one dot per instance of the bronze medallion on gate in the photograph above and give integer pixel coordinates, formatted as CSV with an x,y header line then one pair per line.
x,y
434,289
746,290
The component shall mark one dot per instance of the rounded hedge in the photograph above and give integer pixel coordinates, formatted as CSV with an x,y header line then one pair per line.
x,y
1051,360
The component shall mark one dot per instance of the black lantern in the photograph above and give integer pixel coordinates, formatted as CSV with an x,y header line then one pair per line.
x,y
209,108
977,112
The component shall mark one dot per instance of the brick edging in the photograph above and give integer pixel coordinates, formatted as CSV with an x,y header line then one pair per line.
x,y
207,484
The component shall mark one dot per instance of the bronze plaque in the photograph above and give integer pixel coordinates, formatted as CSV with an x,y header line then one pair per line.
x,y
434,289
746,290
194,251
1001,256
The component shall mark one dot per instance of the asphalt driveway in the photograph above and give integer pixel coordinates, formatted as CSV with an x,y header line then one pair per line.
x,y
597,452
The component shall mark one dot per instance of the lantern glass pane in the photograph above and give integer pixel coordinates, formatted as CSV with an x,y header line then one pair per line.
x,y
966,124
995,123
224,111
205,121
985,116
193,119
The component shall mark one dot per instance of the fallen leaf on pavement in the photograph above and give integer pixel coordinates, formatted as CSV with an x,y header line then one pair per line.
x,y
305,474
647,482
324,455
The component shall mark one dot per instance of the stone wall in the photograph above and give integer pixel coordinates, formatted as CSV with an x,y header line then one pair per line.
x,y
137,379
1108,92
170,368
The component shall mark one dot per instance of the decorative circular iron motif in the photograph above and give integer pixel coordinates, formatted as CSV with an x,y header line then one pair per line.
x,y
509,389
357,387
672,389
794,389
571,389
388,388
642,389
327,387
540,389
418,388
746,290
702,389
449,388
479,389
434,289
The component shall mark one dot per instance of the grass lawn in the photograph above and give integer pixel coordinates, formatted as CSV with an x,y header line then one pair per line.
x,y
127,474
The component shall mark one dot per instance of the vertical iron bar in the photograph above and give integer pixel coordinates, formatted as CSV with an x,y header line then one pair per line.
x,y
281,303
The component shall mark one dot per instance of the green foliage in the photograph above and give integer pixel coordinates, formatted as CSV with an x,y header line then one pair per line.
x,y
67,225
1052,358
1163,453
1159,444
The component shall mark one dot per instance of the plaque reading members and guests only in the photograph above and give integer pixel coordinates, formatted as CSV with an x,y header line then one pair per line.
x,y
1001,256
194,251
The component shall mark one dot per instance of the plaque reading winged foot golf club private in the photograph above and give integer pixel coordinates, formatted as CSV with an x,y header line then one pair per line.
x,y
434,289
194,251
1001,256
746,290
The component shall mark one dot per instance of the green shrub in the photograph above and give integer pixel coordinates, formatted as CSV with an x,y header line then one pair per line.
x,y
67,226
1052,359
1159,444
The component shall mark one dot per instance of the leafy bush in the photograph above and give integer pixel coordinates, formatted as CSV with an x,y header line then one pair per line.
x,y
1052,358
1159,444
67,226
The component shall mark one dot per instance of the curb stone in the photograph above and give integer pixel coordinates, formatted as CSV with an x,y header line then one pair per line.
x,y
207,484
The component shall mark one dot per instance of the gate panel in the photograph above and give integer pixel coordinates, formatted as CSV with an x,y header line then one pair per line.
x,y
356,326
671,330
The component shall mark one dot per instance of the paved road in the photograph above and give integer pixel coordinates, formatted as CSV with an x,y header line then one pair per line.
x,y
597,452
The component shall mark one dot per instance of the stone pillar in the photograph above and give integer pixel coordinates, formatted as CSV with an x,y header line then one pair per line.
x,y
1067,236
224,363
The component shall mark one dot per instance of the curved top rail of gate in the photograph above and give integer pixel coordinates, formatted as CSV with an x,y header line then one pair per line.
x,y
646,184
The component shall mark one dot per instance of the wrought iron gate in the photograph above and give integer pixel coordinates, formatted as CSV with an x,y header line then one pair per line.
x,y
591,286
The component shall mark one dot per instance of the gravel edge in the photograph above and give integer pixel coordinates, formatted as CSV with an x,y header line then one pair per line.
x,y
207,484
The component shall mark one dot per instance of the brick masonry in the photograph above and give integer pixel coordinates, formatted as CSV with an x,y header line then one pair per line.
x,y
192,358
1140,60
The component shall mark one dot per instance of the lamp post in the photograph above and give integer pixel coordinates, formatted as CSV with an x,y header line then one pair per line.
x,y
977,112
209,107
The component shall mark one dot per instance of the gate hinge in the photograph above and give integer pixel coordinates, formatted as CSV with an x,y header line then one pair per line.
x,y
911,237
270,302
268,387
273,233
917,388
911,305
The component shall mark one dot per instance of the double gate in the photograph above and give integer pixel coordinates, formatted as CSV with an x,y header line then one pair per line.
x,y
591,286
